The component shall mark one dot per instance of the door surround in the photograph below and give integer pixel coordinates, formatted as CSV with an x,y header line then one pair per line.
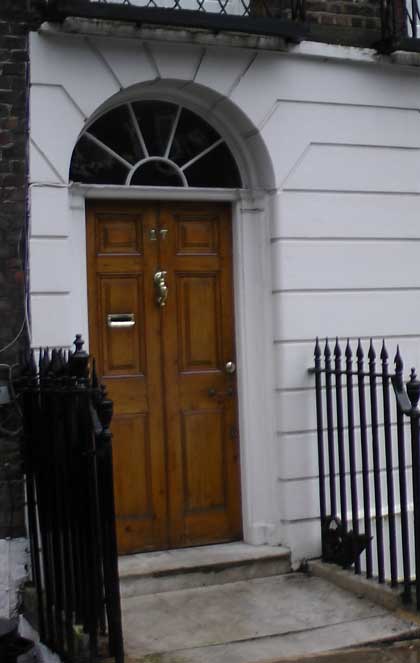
x,y
251,213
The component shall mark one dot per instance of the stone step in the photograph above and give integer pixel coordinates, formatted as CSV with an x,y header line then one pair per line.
x,y
164,571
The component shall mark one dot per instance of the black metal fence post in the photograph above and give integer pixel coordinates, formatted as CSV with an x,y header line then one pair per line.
x,y
402,472
413,391
330,429
352,450
389,467
320,438
365,457
376,463
340,433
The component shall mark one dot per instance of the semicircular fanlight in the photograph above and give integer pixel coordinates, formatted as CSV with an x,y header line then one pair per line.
x,y
153,143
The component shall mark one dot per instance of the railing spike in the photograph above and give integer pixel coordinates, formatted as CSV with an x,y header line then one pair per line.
x,y
359,352
384,352
337,349
44,362
317,351
371,353
61,360
327,351
348,353
55,366
32,368
398,361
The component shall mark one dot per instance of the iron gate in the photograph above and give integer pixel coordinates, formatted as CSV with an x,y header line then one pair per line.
x,y
71,515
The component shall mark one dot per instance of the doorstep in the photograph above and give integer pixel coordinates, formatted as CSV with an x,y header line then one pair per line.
x,y
168,570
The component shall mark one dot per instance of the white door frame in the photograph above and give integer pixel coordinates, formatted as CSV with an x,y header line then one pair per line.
x,y
254,337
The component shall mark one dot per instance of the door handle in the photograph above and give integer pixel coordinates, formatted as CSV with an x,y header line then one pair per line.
x,y
121,320
161,288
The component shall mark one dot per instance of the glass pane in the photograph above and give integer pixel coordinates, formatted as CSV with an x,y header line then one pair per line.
x,y
193,135
215,169
155,119
116,130
156,173
91,164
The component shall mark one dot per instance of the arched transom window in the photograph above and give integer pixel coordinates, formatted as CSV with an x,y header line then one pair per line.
x,y
153,143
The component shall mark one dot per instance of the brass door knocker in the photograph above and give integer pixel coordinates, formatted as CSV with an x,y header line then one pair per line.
x,y
161,288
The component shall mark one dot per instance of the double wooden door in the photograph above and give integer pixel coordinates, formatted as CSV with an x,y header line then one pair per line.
x,y
161,319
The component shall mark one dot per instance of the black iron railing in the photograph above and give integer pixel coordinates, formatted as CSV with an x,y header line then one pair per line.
x,y
400,21
393,24
369,478
283,18
71,516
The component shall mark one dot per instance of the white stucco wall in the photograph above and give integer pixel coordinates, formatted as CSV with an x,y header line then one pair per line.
x,y
338,182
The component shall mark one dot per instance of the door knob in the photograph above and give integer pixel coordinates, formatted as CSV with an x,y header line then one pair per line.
x,y
230,367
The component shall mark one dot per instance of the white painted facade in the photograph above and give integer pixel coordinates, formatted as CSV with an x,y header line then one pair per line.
x,y
326,228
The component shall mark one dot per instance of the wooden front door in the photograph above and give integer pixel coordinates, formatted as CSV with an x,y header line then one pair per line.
x,y
161,320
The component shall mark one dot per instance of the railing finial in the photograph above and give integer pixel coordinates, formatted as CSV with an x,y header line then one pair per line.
x,y
79,360
348,353
413,389
399,364
384,353
337,349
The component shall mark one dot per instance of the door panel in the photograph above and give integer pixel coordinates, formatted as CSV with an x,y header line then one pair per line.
x,y
203,460
123,349
133,486
175,432
121,233
198,297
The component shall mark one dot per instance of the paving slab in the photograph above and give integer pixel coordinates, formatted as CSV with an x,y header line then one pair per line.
x,y
254,620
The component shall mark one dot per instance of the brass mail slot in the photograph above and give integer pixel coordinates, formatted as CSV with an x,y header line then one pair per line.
x,y
121,320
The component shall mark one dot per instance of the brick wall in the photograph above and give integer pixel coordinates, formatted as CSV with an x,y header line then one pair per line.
x,y
358,14
13,197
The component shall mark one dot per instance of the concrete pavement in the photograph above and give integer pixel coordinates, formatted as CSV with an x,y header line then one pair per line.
x,y
278,618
